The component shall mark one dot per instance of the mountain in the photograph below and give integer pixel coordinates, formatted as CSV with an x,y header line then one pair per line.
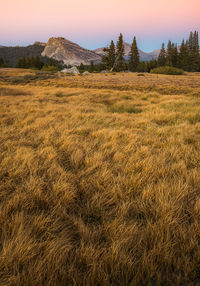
x,y
11,55
70,53
127,47
40,44
155,53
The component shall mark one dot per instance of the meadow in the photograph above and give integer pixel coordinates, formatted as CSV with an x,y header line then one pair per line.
x,y
99,179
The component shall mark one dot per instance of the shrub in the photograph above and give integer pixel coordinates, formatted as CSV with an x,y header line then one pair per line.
x,y
50,68
167,70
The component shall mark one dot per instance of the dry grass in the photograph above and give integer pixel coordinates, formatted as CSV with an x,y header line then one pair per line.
x,y
100,180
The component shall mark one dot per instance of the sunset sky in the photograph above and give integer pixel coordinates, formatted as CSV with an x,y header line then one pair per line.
x,y
93,24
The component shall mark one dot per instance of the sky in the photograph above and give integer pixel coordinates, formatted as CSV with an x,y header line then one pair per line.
x,y
93,23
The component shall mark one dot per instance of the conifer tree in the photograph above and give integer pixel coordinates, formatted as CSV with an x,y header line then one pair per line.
x,y
174,55
111,55
196,43
19,63
38,63
91,68
193,51
162,56
81,67
183,57
52,62
169,54
105,58
120,63
134,57
196,52
1,62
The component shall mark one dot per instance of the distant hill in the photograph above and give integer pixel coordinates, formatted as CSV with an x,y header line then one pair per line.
x,y
70,53
63,50
10,55
143,56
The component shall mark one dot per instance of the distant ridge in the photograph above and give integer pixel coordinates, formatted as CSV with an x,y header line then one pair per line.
x,y
40,44
65,51
143,56
11,55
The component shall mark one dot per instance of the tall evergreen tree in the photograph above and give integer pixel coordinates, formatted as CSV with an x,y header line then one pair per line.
x,y
183,57
174,55
196,43
91,67
134,58
105,58
120,63
196,52
81,67
162,56
1,62
111,55
169,54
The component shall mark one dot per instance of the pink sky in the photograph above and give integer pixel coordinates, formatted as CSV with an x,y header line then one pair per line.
x,y
94,23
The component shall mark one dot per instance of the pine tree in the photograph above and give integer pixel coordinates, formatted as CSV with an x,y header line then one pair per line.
x,y
169,54
183,57
1,62
52,63
91,68
151,65
19,63
134,58
193,50
196,52
28,62
120,64
174,55
196,43
38,63
162,56
111,55
81,67
105,58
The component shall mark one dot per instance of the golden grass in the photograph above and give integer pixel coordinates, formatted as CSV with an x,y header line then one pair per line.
x,y
93,192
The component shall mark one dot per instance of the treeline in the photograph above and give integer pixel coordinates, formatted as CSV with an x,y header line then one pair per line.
x,y
38,63
113,58
2,64
186,57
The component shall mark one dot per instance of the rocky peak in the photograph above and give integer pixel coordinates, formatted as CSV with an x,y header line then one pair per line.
x,y
70,53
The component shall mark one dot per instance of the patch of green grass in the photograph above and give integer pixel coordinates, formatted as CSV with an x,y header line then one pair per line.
x,y
33,77
167,70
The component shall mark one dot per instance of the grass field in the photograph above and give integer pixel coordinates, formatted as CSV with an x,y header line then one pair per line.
x,y
99,179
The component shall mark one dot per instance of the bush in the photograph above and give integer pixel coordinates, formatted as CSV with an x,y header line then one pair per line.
x,y
167,70
50,68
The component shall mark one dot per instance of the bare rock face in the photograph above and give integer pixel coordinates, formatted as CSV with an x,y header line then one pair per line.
x,y
70,53
72,70
40,44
